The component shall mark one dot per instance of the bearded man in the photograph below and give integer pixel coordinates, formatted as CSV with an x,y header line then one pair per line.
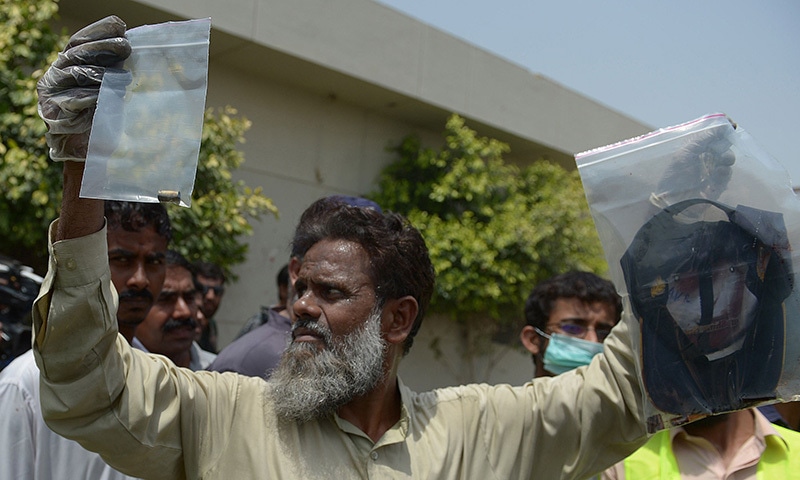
x,y
336,407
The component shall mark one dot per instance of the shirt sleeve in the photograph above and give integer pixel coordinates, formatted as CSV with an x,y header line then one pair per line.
x,y
571,426
122,403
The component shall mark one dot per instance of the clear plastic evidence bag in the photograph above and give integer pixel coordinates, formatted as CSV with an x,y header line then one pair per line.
x,y
145,138
697,223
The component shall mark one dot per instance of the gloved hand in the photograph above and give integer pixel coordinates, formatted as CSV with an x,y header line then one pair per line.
x,y
68,90
702,168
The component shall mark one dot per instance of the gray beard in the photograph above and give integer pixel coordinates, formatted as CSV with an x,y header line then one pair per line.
x,y
309,383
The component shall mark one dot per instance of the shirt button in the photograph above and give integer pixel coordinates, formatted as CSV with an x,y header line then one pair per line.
x,y
71,264
374,455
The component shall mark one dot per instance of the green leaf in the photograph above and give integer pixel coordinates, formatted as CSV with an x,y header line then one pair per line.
x,y
493,230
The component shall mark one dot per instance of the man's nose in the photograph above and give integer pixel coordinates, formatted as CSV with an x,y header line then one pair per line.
x,y
182,309
139,278
306,306
591,335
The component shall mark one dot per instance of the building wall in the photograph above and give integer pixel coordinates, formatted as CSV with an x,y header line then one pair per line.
x,y
328,86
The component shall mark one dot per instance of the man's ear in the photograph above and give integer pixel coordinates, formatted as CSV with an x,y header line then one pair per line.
x,y
398,318
530,339
294,269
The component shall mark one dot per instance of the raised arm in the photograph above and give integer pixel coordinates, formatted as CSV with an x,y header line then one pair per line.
x,y
68,94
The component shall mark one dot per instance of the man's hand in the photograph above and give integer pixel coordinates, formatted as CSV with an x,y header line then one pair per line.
x,y
702,168
69,88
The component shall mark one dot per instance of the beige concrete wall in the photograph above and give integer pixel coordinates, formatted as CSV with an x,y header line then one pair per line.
x,y
327,86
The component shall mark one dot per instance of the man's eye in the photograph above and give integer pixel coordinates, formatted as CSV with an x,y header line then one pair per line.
x,y
572,329
167,299
331,292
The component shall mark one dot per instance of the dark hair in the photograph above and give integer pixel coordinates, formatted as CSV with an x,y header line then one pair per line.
x,y
283,276
399,261
322,206
175,259
134,216
209,270
584,286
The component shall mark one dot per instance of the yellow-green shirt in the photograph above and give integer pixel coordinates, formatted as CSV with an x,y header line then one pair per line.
x,y
151,419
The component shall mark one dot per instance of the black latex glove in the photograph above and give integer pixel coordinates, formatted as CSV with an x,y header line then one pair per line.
x,y
68,90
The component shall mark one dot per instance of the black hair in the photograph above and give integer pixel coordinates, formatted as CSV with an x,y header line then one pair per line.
x,y
174,258
134,216
283,276
584,286
209,270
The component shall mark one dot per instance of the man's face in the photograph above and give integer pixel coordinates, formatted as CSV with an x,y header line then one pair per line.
x,y
337,350
588,321
333,289
212,294
571,317
137,267
169,328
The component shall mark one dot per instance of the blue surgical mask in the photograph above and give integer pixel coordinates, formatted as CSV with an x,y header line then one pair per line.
x,y
565,353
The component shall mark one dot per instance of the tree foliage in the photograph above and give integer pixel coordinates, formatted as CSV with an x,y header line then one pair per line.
x,y
211,229
493,229
31,186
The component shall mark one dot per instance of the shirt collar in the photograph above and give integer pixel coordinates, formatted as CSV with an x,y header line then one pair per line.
x,y
398,432
763,430
137,344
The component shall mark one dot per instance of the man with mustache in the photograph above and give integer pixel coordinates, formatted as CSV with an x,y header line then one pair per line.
x,y
335,407
169,328
137,238
258,352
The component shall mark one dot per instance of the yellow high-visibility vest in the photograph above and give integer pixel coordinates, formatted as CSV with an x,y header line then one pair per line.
x,y
655,459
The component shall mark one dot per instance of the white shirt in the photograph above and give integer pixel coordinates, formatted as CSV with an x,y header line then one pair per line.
x,y
29,449
199,359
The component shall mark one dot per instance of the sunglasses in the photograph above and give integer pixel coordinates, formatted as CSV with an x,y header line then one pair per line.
x,y
218,290
579,331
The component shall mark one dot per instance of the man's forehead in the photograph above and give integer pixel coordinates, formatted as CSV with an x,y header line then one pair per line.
x,y
178,278
334,258
572,307
129,239
208,280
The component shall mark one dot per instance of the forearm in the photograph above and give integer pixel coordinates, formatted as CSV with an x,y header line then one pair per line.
x,y
591,417
612,400
87,369
79,216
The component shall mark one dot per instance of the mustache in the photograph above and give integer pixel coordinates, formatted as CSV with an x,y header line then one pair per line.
x,y
173,324
310,324
134,294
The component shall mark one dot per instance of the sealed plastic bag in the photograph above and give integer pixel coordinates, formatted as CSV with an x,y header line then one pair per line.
x,y
697,223
146,133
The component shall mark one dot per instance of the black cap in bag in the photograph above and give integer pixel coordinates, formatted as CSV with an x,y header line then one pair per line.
x,y
709,299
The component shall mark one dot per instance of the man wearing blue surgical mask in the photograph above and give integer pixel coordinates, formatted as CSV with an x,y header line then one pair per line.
x,y
567,319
